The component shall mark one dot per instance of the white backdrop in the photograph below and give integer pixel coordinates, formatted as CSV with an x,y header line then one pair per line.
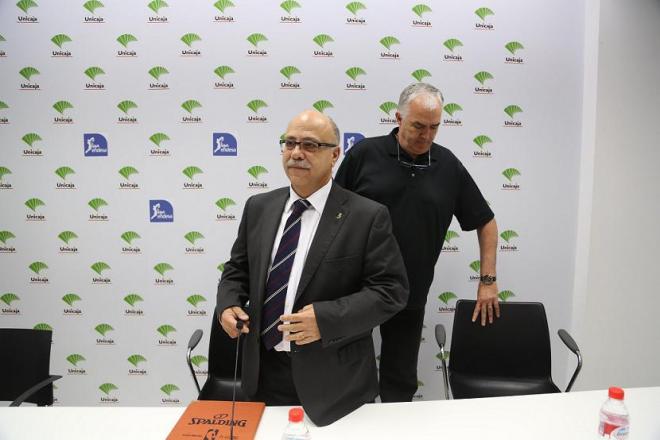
x,y
122,309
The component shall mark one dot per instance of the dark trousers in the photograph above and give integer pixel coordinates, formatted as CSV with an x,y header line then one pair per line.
x,y
401,336
276,386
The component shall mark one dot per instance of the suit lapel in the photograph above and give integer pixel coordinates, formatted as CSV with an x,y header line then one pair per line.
x,y
270,221
333,217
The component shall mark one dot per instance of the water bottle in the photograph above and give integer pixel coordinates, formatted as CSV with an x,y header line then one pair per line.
x,y
296,429
614,420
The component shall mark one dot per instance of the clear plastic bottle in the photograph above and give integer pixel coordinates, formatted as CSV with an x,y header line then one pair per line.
x,y
614,418
296,429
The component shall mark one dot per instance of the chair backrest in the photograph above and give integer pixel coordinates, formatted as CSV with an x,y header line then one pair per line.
x,y
515,345
25,362
222,352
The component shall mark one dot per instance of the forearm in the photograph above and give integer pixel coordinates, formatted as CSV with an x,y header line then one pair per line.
x,y
487,235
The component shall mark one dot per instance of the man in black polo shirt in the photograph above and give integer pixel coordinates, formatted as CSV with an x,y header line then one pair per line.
x,y
423,184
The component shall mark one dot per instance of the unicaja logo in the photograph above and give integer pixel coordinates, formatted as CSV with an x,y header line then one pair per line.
x,y
512,111
321,40
107,389
96,205
126,172
3,106
223,205
7,299
156,6
192,237
289,6
288,72
135,360
445,298
482,77
447,245
156,73
188,40
481,141
452,44
222,72
5,248
3,182
254,40
419,10
197,361
33,204
92,73
126,106
513,47
25,6
194,301
125,40
157,139
507,236
38,267
60,107
255,105
102,329
168,389
99,267
2,52
129,237
353,73
161,269
256,171
354,8
63,173
74,359
59,40
222,6
420,74
67,237
452,110
224,144
92,6
43,326
165,330
505,295
483,25
190,172
476,268
322,105
509,174
132,299
30,139
387,107
69,299
28,73
387,42
161,211
95,145
189,106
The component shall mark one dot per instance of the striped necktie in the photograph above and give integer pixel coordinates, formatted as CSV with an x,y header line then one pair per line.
x,y
278,276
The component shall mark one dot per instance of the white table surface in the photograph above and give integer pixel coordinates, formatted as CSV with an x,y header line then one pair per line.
x,y
551,416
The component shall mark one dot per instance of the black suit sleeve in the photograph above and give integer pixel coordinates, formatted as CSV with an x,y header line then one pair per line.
x,y
384,289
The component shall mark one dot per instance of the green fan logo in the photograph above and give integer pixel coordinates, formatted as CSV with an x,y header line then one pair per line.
x,y
419,10
387,42
132,298
256,105
156,6
5,236
256,171
71,298
255,39
59,40
195,299
476,268
60,107
168,389
512,47
4,171
126,106
452,44
165,330
67,237
222,72
353,73
483,14
37,268
74,359
509,174
222,6
161,269
221,267
103,328
189,106
135,359
420,74
481,141
9,298
445,298
482,77
63,173
190,172
156,73
288,72
192,237
99,267
25,5
188,40
126,172
288,6
129,237
96,205
452,110
321,40
223,205
28,73
512,111
43,326
387,108
33,204
507,236
198,360
92,6
125,40
30,139
448,246
157,139
322,105
505,295
108,388
93,73
354,8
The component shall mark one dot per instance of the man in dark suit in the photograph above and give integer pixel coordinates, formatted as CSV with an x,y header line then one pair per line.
x,y
318,268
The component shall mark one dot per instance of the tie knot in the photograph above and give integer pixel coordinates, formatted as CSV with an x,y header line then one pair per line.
x,y
300,206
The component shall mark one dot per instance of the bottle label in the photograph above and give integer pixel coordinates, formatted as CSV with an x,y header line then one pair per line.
x,y
609,430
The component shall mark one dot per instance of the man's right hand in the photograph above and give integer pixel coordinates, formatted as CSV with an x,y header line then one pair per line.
x,y
228,320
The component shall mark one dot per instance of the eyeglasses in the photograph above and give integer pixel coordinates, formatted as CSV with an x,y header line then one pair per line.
x,y
414,166
306,145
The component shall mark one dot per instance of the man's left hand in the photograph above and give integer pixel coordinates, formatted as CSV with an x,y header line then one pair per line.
x,y
487,303
301,326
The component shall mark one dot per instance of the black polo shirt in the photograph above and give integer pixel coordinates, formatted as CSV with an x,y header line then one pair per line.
x,y
421,201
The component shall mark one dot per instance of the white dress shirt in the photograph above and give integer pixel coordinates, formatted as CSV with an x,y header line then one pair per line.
x,y
309,222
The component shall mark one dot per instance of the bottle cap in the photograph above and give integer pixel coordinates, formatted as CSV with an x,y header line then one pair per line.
x,y
615,393
296,414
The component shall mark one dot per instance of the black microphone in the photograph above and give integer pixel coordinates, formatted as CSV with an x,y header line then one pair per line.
x,y
239,327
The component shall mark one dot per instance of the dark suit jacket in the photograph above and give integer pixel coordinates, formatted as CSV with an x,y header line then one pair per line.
x,y
355,277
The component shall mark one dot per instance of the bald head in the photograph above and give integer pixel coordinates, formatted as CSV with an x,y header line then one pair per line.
x,y
320,122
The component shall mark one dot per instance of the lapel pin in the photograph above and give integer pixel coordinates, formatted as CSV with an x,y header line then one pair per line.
x,y
339,215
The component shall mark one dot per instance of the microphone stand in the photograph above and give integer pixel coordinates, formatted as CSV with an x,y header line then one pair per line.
x,y
239,327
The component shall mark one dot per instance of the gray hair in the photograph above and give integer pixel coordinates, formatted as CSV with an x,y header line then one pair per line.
x,y
431,93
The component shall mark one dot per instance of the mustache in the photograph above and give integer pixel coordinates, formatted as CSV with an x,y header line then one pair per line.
x,y
300,163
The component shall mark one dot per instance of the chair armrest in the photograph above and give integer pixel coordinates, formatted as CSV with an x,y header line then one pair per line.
x,y
192,343
568,340
441,337
33,389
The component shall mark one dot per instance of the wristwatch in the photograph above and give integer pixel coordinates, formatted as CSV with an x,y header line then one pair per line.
x,y
488,279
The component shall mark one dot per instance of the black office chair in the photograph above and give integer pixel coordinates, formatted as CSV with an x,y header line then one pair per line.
x,y
509,357
24,370
219,384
